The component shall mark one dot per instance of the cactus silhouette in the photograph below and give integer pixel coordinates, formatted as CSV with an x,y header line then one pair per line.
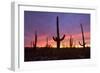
x,y
83,39
32,44
47,42
35,40
71,41
57,39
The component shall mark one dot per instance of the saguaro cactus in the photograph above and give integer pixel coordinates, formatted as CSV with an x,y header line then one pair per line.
x,y
83,39
47,42
71,41
57,39
35,40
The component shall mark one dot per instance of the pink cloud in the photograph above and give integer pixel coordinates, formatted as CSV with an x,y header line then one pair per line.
x,y
76,38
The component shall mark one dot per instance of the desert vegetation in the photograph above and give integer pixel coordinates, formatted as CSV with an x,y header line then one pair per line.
x,y
35,53
83,39
57,39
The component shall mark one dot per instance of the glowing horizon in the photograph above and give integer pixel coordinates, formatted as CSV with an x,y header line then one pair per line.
x,y
45,25
41,42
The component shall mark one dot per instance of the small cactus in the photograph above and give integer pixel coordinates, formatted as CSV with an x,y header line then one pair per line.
x,y
47,42
57,39
32,44
71,41
35,40
83,39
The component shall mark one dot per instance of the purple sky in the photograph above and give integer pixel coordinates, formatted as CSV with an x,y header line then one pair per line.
x,y
45,24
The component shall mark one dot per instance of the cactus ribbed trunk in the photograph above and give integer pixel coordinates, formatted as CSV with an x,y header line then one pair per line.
x,y
83,39
58,39
58,42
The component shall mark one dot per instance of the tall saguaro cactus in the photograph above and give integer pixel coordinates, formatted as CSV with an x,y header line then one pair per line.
x,y
57,39
35,40
71,41
83,39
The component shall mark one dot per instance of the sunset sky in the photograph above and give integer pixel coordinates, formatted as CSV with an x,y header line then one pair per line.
x,y
45,25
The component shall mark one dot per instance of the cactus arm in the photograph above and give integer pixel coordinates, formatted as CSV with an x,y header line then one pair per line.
x,y
83,39
62,38
58,39
55,39
84,43
80,43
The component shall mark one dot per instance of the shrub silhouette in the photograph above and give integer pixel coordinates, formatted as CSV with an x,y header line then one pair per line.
x,y
83,39
57,39
48,44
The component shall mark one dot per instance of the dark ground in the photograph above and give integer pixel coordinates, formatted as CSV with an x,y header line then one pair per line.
x,y
44,54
